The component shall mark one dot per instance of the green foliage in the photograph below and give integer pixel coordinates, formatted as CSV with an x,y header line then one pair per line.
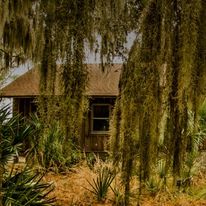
x,y
13,134
200,194
100,185
33,145
53,148
23,187
55,153
162,82
158,181
91,159
46,146
203,112
152,185
118,197
26,188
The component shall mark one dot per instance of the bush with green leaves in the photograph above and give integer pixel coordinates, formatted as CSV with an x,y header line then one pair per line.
x,y
55,153
26,188
13,132
23,187
48,148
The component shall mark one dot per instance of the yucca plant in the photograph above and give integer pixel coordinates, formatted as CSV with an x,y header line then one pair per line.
x,y
101,184
10,144
26,188
23,187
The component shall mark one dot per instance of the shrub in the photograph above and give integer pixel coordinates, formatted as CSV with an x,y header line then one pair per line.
x,y
26,188
23,187
48,148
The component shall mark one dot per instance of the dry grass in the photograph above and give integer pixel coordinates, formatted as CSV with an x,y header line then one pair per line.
x,y
70,189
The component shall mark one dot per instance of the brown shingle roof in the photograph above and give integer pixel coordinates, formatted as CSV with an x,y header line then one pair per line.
x,y
99,84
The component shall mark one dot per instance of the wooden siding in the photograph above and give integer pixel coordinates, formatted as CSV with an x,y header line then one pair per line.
x,y
89,141
96,142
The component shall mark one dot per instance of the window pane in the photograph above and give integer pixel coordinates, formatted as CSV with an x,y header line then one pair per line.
x,y
101,111
100,124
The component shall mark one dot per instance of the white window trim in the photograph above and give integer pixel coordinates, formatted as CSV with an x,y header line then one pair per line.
x,y
92,118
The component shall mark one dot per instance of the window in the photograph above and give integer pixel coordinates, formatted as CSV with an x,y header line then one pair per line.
x,y
100,118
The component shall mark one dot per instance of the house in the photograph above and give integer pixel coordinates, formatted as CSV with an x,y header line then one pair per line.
x,y
102,90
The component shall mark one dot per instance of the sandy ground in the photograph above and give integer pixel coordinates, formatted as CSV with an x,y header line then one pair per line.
x,y
70,190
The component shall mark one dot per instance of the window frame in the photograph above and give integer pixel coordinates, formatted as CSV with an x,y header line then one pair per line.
x,y
103,118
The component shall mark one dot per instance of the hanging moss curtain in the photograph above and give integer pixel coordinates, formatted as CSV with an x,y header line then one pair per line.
x,y
163,79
